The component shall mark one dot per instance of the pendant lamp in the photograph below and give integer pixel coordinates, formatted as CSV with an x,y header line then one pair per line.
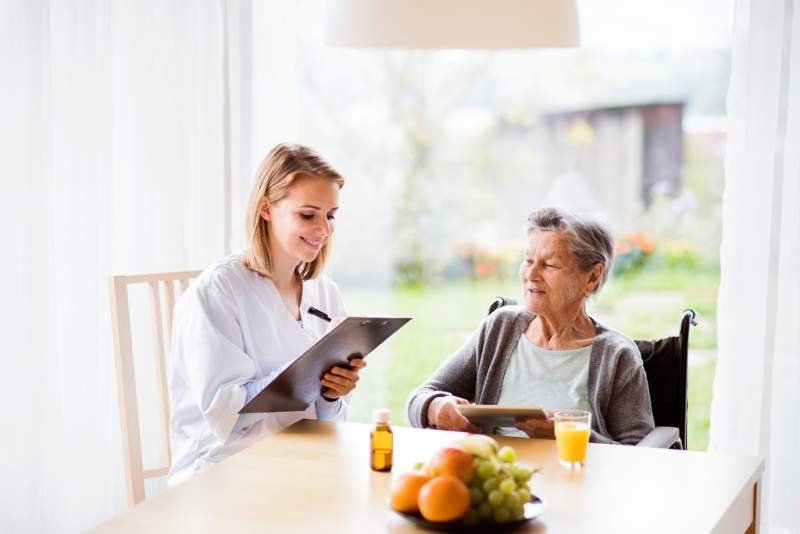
x,y
462,24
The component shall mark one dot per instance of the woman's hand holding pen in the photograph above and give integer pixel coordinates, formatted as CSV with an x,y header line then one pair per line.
x,y
340,381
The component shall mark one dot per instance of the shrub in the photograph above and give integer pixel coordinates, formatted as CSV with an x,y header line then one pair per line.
x,y
478,262
679,253
633,251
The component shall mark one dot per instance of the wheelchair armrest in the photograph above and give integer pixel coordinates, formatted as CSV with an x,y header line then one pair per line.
x,y
661,437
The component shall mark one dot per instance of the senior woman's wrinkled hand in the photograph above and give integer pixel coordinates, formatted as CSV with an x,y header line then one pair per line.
x,y
340,381
443,414
538,428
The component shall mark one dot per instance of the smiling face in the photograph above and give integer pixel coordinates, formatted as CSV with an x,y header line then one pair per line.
x,y
552,283
303,220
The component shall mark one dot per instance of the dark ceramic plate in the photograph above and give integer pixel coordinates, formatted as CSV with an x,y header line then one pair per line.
x,y
532,510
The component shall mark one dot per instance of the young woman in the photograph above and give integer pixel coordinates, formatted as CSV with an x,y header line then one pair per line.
x,y
246,317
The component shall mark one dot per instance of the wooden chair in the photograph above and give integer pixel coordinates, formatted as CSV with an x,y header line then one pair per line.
x,y
135,473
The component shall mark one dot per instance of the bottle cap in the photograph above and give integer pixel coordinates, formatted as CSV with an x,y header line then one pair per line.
x,y
380,415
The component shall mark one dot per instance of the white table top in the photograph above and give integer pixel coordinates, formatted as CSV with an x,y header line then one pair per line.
x,y
315,477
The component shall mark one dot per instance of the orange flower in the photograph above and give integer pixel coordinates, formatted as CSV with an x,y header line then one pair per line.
x,y
641,240
483,268
647,243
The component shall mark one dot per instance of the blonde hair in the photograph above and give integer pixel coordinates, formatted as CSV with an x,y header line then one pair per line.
x,y
282,167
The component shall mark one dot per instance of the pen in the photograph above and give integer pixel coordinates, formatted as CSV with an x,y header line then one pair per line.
x,y
319,313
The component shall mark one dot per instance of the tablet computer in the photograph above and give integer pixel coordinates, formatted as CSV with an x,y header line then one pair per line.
x,y
297,386
489,416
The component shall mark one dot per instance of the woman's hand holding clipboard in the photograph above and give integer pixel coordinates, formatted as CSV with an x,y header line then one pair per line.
x,y
338,381
298,386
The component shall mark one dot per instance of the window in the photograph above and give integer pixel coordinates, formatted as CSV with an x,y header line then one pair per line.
x,y
446,152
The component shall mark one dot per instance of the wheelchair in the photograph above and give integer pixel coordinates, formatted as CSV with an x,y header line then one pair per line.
x,y
666,366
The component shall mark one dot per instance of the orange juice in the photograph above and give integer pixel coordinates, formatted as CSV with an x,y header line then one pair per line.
x,y
572,438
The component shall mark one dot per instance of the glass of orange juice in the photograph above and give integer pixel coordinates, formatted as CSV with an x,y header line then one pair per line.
x,y
572,429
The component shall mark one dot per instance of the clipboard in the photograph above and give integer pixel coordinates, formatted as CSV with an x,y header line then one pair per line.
x,y
494,416
298,385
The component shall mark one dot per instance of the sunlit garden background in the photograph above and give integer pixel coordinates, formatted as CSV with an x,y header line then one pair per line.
x,y
445,154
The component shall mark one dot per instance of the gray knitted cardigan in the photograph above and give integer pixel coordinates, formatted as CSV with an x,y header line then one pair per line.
x,y
617,385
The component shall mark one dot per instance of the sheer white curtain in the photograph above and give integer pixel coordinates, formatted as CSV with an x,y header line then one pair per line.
x,y
129,132
756,406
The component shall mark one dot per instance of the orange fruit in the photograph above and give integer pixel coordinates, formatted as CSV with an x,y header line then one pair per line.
x,y
454,462
405,490
444,498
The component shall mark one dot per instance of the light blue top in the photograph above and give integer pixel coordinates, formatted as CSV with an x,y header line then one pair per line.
x,y
549,379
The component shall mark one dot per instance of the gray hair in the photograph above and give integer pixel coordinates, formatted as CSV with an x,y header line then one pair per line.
x,y
590,241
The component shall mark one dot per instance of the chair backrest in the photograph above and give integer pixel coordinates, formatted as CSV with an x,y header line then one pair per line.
x,y
666,363
666,366
135,473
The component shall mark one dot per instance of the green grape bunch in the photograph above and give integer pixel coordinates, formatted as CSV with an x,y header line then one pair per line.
x,y
499,490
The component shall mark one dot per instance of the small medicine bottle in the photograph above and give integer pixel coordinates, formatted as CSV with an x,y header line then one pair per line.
x,y
381,441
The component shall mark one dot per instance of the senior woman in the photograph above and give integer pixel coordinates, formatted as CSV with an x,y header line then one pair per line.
x,y
548,353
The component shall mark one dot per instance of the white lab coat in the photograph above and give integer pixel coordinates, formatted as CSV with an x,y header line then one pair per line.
x,y
230,327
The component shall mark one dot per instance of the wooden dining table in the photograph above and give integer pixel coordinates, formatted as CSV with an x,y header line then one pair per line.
x,y
315,477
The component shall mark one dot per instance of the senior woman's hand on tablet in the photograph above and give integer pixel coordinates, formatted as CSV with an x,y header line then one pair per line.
x,y
538,428
340,381
443,414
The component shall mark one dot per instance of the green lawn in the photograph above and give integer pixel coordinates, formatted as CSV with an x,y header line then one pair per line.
x,y
649,303
643,305
701,378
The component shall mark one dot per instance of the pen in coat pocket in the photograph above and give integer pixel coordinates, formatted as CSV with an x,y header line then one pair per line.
x,y
319,313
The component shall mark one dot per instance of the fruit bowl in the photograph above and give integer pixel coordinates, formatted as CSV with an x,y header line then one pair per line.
x,y
532,510
472,485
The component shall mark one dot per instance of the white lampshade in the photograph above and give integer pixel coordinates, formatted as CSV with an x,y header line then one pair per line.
x,y
452,23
